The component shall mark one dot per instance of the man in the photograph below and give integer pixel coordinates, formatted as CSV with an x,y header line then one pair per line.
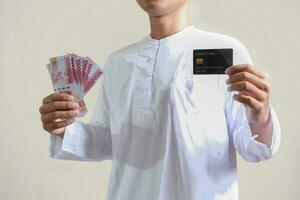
x,y
171,134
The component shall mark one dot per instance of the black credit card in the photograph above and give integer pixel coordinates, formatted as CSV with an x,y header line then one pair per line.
x,y
212,61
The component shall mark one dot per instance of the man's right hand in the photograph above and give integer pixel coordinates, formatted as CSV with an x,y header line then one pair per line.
x,y
58,111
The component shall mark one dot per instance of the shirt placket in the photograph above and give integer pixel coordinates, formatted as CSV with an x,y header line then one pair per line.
x,y
143,91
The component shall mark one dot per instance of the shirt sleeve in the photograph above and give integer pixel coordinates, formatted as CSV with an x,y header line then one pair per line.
x,y
88,141
238,125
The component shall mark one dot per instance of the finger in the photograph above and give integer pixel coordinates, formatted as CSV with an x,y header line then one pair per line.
x,y
248,88
57,97
52,116
249,101
246,76
58,105
56,125
246,67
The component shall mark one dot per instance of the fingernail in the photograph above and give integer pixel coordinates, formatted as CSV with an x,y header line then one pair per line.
x,y
70,97
227,81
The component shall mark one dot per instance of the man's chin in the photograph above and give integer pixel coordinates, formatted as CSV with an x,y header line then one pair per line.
x,y
155,9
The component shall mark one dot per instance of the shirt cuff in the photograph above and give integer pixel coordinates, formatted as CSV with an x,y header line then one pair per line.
x,y
261,149
55,145
61,147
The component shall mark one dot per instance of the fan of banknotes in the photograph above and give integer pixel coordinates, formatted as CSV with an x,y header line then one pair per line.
x,y
75,75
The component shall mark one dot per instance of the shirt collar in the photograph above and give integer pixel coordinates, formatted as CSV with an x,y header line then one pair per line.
x,y
170,38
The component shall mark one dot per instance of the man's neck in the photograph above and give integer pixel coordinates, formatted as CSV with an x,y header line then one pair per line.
x,y
166,25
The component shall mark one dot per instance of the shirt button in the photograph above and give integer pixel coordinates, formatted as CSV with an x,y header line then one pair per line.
x,y
149,73
150,59
103,124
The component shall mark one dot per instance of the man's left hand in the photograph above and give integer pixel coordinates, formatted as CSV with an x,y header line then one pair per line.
x,y
253,91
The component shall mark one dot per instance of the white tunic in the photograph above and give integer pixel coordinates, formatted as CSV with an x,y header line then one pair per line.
x,y
171,135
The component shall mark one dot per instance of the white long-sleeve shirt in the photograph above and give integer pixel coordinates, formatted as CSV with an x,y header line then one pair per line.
x,y
171,135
